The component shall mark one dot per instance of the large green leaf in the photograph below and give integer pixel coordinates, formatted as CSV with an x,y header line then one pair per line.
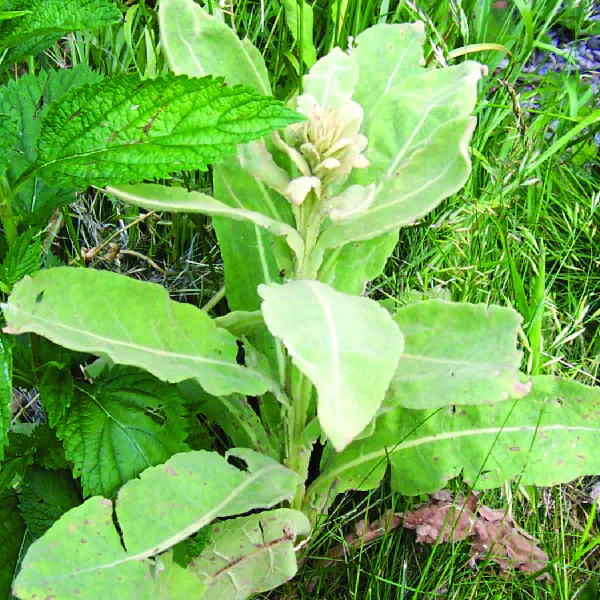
x,y
174,199
134,323
27,100
124,129
5,390
168,503
45,496
251,554
198,44
301,27
46,21
347,346
456,353
550,437
109,434
8,135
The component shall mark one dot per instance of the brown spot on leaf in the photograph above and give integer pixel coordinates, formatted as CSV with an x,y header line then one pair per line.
x,y
560,462
170,470
515,449
436,458
84,541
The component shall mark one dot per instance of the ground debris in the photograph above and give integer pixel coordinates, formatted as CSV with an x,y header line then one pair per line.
x,y
493,533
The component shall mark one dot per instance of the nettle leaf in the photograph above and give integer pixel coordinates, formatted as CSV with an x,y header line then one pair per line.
x,y
550,437
198,44
456,353
168,503
173,199
113,429
27,101
251,554
347,346
124,129
45,496
6,367
13,532
8,134
56,393
134,323
44,22
17,457
24,257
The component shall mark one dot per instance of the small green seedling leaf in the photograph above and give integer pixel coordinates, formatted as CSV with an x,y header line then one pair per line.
x,y
348,347
456,353
134,323
82,553
251,554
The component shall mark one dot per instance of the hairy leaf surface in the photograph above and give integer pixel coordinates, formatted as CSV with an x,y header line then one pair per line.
x,y
251,554
56,393
108,433
24,257
13,537
45,21
550,437
456,353
167,504
347,346
125,129
159,197
134,323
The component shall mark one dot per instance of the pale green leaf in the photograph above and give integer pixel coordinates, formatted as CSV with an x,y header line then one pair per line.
x,y
304,36
27,100
349,268
241,323
125,129
347,346
56,393
45,496
174,581
251,554
108,433
46,21
6,368
332,80
134,323
386,55
176,199
198,44
456,353
167,504
550,437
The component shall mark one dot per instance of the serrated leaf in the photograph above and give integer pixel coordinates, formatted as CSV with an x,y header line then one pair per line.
x,y
6,368
44,497
124,129
48,449
251,554
12,540
456,353
172,199
167,504
17,457
56,393
134,323
8,135
347,346
550,437
27,100
108,431
198,44
45,21
23,258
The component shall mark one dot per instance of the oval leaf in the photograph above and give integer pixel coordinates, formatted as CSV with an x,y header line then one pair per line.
x,y
134,323
347,346
456,354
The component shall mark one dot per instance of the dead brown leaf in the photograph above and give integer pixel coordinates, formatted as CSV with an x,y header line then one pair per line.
x,y
494,533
